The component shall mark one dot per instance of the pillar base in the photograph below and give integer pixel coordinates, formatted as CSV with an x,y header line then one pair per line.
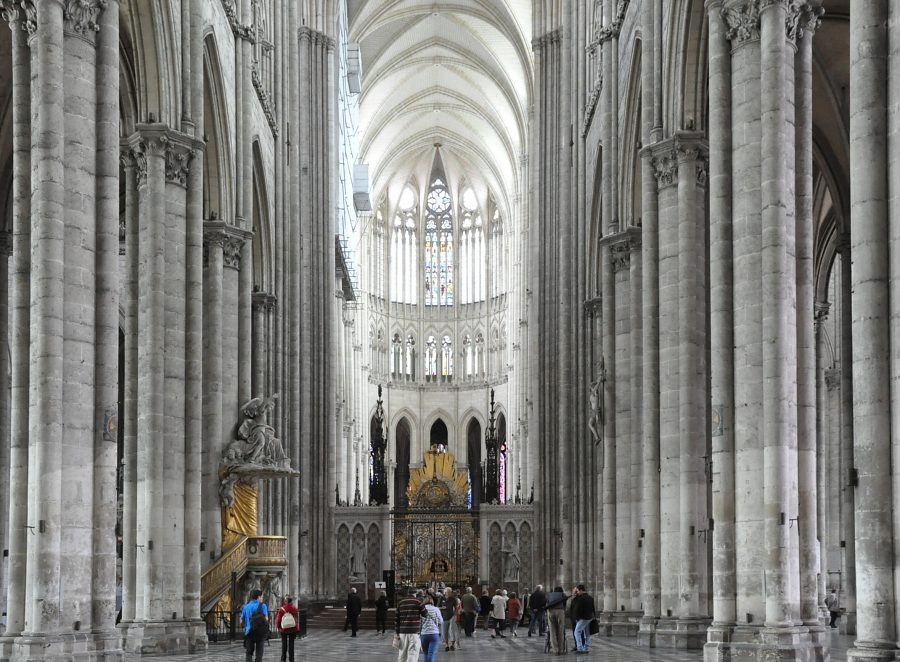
x,y
164,637
80,646
867,651
762,644
619,623
678,633
646,635
847,623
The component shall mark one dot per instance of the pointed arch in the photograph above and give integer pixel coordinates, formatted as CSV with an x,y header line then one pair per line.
x,y
474,443
217,177
403,447
263,235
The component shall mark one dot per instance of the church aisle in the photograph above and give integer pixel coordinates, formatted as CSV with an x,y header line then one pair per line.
x,y
334,645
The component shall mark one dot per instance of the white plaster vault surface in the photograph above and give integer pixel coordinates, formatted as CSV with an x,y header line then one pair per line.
x,y
336,645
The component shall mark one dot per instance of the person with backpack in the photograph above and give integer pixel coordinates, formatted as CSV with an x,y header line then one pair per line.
x,y
255,619
287,621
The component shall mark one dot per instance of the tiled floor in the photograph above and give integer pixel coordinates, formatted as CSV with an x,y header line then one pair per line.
x,y
368,647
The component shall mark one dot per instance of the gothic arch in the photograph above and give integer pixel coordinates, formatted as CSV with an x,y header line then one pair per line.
x,y
147,30
686,79
630,171
403,457
263,235
217,178
430,420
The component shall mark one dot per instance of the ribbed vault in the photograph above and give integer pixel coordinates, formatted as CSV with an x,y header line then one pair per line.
x,y
455,73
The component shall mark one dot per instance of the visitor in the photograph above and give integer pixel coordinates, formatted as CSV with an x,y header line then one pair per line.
x,y
556,608
583,614
431,629
513,613
381,611
287,622
469,612
833,602
255,619
410,611
485,603
537,602
449,629
354,609
498,613
526,607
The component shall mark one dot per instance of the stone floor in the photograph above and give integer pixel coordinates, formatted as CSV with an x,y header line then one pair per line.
x,y
335,645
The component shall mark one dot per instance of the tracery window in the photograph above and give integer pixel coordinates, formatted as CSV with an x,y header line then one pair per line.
x,y
404,249
438,245
471,250
431,358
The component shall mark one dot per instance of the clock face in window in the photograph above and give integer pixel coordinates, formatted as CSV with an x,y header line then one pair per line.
x,y
438,200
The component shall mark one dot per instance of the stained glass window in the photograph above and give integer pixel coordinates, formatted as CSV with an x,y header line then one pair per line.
x,y
438,246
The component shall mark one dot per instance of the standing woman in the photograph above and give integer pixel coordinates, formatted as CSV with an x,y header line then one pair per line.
x,y
381,610
431,629
287,622
498,613
513,612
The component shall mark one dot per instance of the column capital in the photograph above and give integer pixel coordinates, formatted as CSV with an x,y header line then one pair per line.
x,y
263,301
81,17
20,11
741,22
820,313
229,237
159,140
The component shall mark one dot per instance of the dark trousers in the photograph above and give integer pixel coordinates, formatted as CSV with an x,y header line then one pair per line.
x,y
835,615
468,619
254,643
538,623
354,623
287,646
380,619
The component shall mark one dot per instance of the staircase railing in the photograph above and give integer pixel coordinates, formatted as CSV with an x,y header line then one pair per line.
x,y
258,552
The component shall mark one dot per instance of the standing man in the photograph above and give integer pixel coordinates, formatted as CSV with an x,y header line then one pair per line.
x,y
409,614
354,609
556,605
469,611
537,602
255,619
582,614
833,602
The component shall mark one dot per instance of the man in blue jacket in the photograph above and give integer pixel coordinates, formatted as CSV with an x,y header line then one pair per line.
x,y
255,619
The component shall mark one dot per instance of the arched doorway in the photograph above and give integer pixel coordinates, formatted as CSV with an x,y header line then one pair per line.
x,y
403,438
439,433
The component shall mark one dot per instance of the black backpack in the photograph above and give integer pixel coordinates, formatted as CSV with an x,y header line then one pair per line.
x,y
259,627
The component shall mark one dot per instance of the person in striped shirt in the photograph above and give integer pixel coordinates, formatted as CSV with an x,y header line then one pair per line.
x,y
410,611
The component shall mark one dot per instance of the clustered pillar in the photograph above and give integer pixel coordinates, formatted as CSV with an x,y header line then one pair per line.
x,y
62,454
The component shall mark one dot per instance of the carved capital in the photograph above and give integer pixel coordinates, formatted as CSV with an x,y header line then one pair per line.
x,y
228,238
741,23
20,11
665,168
821,309
802,18
81,17
832,378
263,301
178,162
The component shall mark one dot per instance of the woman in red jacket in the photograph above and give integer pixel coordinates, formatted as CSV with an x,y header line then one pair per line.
x,y
288,623
513,613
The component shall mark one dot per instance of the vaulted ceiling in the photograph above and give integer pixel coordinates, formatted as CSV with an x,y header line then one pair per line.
x,y
457,73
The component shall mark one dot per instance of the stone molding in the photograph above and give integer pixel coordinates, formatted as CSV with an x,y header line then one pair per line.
x,y
268,106
591,106
229,237
552,37
81,16
612,30
239,30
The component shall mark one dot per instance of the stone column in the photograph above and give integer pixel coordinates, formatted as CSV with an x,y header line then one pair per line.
x,y
806,339
6,242
722,359
650,429
870,232
20,306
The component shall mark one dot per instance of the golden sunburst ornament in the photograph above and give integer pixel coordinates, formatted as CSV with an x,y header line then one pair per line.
x,y
438,484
